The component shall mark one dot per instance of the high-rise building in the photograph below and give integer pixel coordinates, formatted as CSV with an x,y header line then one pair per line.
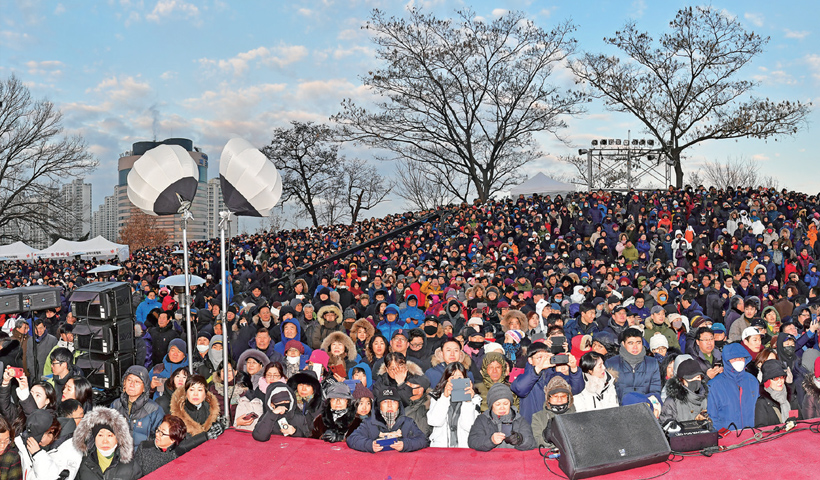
x,y
104,220
172,224
216,205
77,201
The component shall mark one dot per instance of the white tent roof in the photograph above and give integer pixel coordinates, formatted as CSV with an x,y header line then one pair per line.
x,y
96,247
17,251
542,185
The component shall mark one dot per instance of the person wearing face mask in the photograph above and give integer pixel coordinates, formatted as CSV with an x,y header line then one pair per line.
x,y
295,358
686,394
388,422
107,449
200,354
559,400
433,332
212,358
733,393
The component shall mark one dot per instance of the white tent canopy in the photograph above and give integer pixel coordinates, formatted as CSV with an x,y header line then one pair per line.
x,y
97,247
17,251
542,185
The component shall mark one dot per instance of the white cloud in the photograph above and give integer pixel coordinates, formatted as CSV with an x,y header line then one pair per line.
x,y
166,8
499,12
813,61
125,89
638,7
47,67
306,12
278,56
800,35
59,9
346,52
756,19
760,157
170,74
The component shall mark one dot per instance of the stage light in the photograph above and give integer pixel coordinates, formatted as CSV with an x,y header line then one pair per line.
x,y
595,143
618,141
650,142
163,181
251,185
642,142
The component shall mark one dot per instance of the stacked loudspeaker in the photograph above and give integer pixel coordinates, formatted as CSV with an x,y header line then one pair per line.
x,y
104,332
29,299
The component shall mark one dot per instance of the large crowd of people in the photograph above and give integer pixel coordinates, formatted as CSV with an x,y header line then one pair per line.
x,y
474,331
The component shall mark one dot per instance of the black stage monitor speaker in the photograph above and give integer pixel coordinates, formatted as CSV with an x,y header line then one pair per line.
x,y
39,298
104,371
11,301
104,336
102,301
598,442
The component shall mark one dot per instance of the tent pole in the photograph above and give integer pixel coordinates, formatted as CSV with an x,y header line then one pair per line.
x,y
186,215
223,219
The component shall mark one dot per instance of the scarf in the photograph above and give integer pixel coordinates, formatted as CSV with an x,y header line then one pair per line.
x,y
633,360
596,385
453,414
337,414
235,391
291,369
302,402
781,397
390,419
510,350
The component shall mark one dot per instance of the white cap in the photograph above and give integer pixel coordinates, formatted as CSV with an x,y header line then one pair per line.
x,y
475,321
657,341
493,347
748,332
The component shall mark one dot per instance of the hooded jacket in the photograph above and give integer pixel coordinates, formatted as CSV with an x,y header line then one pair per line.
x,y
268,423
681,403
122,467
319,330
542,419
529,386
197,431
370,330
415,409
350,355
412,317
732,394
144,415
374,426
331,428
597,400
487,424
280,346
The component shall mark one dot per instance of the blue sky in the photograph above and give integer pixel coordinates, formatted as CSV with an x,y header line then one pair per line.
x,y
128,70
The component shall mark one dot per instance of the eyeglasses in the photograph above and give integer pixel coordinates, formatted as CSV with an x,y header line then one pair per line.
x,y
54,363
163,434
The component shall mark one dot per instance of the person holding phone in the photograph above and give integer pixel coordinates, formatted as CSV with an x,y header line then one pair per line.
x,y
501,426
388,428
452,412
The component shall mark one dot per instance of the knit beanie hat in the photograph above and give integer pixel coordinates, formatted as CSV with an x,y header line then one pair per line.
x,y
658,341
515,335
295,344
688,369
361,392
499,391
179,343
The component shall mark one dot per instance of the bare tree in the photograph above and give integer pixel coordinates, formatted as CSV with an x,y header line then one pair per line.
x,y
420,188
364,187
140,231
35,157
463,97
736,172
307,157
685,87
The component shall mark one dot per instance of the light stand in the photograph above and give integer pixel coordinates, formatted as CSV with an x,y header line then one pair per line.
x,y
224,218
186,215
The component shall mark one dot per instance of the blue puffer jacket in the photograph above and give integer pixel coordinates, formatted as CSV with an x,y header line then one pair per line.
x,y
644,378
412,317
389,328
529,386
280,347
370,429
733,394
145,308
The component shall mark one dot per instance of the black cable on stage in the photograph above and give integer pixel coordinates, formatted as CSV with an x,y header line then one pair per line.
x,y
544,457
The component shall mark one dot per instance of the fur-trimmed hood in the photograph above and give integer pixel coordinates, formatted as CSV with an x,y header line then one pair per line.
x,y
105,416
344,340
362,323
178,408
463,359
810,387
329,308
676,390
412,369
522,319
555,383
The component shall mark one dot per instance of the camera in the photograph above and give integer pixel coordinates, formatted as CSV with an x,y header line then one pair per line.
x,y
562,359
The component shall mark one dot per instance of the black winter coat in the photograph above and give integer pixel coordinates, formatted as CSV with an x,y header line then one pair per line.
x,y
150,458
767,409
90,468
330,430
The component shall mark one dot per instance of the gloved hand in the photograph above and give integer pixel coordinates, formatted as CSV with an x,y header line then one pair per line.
x,y
332,437
514,439
216,430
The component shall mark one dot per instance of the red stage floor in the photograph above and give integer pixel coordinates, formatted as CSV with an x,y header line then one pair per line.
x,y
235,455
